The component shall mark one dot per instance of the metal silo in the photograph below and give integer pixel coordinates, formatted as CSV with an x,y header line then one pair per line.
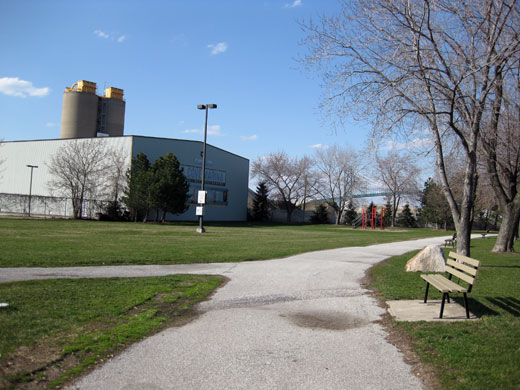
x,y
79,113
111,113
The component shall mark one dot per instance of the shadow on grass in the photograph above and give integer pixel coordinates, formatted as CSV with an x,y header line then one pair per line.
x,y
483,307
509,304
476,306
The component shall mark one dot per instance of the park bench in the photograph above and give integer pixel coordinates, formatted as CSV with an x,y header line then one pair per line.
x,y
451,241
462,267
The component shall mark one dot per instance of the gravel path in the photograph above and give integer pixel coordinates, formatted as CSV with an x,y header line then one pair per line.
x,y
301,322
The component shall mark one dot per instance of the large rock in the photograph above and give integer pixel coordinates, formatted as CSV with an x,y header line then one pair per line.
x,y
430,259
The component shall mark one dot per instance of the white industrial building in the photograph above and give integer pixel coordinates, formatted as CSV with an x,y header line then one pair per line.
x,y
87,117
226,178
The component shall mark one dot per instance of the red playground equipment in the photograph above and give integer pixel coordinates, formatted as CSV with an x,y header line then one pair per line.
x,y
373,218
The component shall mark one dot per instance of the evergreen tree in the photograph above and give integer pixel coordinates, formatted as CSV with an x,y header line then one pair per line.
x,y
137,194
434,206
388,213
169,187
350,213
406,218
321,215
261,203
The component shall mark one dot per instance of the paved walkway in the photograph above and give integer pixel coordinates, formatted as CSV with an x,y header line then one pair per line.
x,y
302,322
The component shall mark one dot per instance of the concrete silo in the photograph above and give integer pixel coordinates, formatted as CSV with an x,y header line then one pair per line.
x,y
111,113
79,112
86,115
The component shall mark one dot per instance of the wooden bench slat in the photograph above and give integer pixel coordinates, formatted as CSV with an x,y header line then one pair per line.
x,y
461,275
465,259
443,284
462,267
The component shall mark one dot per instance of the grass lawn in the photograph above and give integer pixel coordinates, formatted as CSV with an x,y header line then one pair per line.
x,y
54,330
56,243
483,354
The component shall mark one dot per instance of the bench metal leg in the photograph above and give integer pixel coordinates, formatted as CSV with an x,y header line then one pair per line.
x,y
426,294
466,305
442,303
448,296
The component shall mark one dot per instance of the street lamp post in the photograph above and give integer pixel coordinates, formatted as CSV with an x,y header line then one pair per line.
x,y
30,185
202,194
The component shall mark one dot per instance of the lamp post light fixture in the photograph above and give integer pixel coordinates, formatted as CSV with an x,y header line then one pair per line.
x,y
30,185
202,194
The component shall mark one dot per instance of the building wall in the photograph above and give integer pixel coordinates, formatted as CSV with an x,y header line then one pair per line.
x,y
225,172
15,176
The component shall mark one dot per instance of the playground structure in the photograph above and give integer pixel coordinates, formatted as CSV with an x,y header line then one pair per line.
x,y
372,219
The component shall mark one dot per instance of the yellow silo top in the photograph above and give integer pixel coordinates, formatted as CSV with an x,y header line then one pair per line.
x,y
83,86
114,93
86,86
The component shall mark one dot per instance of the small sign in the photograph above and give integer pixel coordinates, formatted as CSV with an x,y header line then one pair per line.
x,y
199,210
201,197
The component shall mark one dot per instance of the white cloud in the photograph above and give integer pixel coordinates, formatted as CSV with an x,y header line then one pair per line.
x,y
318,146
245,138
51,124
215,130
119,38
219,48
212,130
294,4
13,86
101,34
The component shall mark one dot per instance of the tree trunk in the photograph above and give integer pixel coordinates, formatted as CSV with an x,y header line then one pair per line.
x,y
463,225
338,217
145,217
163,217
506,235
517,225
289,208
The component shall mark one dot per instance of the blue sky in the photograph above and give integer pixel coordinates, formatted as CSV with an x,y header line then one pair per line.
x,y
169,56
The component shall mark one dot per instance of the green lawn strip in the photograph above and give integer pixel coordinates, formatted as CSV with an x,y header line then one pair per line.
x,y
56,243
68,325
479,354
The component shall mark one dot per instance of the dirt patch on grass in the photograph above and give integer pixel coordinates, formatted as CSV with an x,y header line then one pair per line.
x,y
36,366
403,342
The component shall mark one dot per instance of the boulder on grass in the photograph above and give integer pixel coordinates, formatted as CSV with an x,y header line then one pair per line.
x,y
430,259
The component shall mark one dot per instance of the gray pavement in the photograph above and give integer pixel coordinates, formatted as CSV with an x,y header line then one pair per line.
x,y
301,322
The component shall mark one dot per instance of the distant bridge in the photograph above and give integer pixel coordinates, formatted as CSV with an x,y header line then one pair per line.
x,y
380,192
372,194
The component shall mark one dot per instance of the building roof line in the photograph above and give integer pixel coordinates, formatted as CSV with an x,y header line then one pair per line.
x,y
133,136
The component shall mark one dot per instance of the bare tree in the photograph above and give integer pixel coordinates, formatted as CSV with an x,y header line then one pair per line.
x,y
286,178
399,176
428,63
116,174
336,175
79,170
500,144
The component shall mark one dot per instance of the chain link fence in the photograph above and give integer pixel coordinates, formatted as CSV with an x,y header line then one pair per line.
x,y
48,206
